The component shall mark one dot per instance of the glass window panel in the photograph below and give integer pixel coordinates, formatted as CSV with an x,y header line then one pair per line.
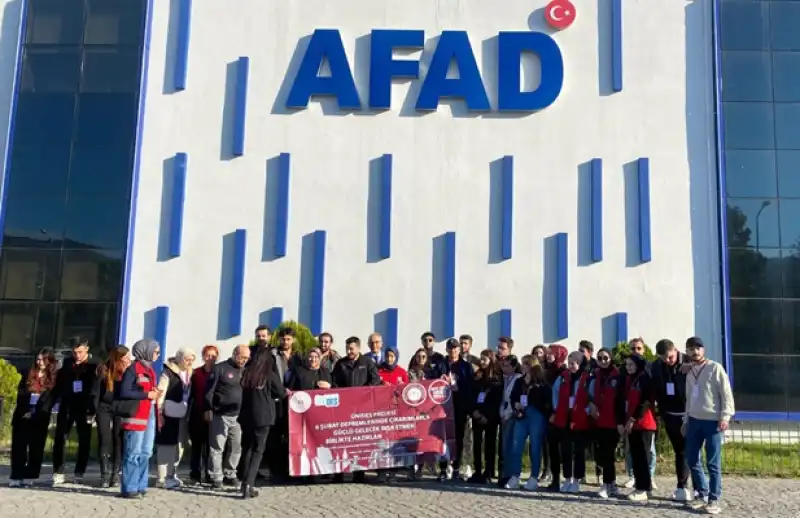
x,y
788,173
97,322
51,69
111,70
791,314
34,222
44,119
750,173
749,126
756,326
787,125
786,75
790,222
785,21
97,222
755,274
25,327
106,120
793,384
746,76
91,275
30,274
744,25
115,22
752,223
759,383
57,22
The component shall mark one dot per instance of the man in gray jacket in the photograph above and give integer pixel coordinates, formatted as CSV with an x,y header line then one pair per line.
x,y
709,409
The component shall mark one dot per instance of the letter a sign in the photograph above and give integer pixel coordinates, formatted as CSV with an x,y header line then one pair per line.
x,y
560,14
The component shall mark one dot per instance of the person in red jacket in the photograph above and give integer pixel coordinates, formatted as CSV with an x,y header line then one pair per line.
x,y
635,419
603,394
390,372
571,420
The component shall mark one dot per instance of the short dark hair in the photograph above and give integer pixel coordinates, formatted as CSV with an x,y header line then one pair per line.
x,y
452,343
427,334
288,331
664,345
506,340
513,362
586,344
324,334
353,340
465,338
263,327
78,341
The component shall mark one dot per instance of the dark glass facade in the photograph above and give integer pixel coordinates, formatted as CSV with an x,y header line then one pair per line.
x,y
760,50
68,190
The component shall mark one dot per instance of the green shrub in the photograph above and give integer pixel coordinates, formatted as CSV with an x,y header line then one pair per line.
x,y
622,350
303,339
9,381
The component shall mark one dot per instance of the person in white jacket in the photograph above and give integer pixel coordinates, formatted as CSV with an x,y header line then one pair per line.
x,y
512,371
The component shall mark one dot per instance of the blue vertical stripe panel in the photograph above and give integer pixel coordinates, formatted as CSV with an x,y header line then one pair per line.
x,y
562,285
386,207
160,335
318,282
622,327
390,334
449,288
237,288
182,47
645,250
505,322
616,45
178,199
282,201
597,210
508,206
275,318
240,106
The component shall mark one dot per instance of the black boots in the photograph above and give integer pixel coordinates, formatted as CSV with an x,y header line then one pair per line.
x,y
249,491
105,471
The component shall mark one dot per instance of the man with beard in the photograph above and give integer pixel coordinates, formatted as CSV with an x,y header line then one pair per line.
x,y
286,359
262,336
329,355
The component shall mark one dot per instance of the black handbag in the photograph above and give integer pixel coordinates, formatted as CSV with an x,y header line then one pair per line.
x,y
125,408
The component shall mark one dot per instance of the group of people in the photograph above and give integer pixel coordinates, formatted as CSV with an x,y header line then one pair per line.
x,y
234,413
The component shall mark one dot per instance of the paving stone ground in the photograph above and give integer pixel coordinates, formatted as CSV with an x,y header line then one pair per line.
x,y
751,498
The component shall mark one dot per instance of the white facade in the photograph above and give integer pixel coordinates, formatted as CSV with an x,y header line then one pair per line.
x,y
441,175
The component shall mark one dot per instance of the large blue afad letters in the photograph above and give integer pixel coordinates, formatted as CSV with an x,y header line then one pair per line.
x,y
453,46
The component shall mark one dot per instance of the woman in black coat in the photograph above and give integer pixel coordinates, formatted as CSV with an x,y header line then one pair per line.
x,y
31,418
109,426
260,387
311,375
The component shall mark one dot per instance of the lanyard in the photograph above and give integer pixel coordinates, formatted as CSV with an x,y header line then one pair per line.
x,y
696,375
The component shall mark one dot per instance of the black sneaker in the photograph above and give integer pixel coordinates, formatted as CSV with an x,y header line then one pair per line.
x,y
193,482
231,482
442,476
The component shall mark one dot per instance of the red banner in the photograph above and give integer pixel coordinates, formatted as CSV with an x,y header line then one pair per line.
x,y
369,428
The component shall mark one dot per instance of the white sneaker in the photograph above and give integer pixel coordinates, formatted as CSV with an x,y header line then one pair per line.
x,y
603,493
14,483
513,483
699,503
681,495
575,487
713,507
449,472
466,472
58,478
653,485
630,483
638,496
172,483
532,484
566,487
27,483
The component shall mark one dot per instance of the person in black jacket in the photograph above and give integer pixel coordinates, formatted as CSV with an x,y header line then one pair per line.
x,y
669,389
109,429
312,375
436,366
286,359
223,402
461,378
488,392
261,386
73,391
31,418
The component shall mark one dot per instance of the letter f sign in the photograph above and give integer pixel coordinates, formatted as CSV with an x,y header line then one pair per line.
x,y
383,66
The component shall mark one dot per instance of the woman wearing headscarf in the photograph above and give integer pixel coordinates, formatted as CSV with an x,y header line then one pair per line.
x,y
109,427
136,406
311,374
556,359
174,387
390,372
261,386
636,420
31,418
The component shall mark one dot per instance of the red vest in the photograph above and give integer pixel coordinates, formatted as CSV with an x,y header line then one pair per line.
x,y
146,379
576,416
605,396
633,396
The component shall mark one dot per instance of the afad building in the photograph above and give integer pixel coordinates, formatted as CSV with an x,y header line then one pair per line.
x,y
186,170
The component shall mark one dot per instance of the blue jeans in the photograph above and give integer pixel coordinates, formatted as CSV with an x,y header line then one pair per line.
x,y
532,427
136,453
629,462
698,432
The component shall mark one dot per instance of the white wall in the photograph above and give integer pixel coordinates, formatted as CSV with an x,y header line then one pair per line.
x,y
10,26
441,176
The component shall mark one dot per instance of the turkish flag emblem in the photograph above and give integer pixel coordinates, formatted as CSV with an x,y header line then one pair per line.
x,y
560,14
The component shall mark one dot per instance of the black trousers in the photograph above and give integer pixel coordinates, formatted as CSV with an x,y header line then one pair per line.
x,y
672,424
460,424
544,465
109,442
66,418
573,453
484,447
198,435
639,442
606,452
554,452
28,437
278,443
254,443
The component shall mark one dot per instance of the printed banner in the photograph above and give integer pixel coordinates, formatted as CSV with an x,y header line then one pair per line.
x,y
369,428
